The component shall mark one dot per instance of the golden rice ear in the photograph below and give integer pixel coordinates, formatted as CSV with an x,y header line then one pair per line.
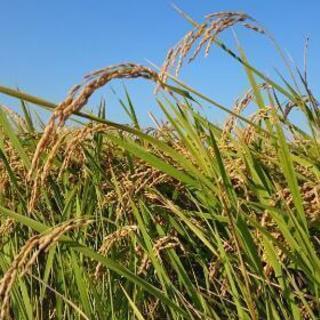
x,y
239,106
28,255
77,98
203,36
80,95
163,243
249,133
78,136
17,119
112,238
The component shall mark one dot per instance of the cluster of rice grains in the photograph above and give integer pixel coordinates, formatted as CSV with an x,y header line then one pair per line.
x,y
110,240
203,36
28,256
77,98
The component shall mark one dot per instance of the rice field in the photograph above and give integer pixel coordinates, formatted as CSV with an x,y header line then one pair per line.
x,y
184,220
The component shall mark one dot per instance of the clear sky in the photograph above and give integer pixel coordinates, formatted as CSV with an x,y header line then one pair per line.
x,y
47,46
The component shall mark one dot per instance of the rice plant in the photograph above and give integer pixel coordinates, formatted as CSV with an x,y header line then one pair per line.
x,y
184,220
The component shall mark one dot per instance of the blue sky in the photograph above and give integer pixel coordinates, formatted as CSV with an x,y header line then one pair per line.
x,y
47,46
